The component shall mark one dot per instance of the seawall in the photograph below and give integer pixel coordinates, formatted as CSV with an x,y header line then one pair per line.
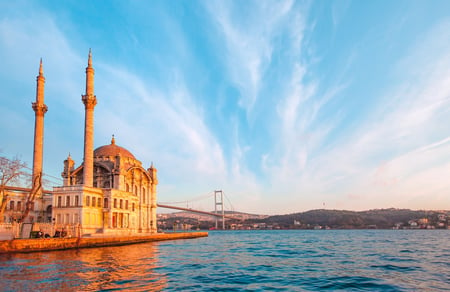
x,y
47,244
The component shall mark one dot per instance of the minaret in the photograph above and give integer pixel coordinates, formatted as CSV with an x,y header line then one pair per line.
x,y
89,101
68,169
39,111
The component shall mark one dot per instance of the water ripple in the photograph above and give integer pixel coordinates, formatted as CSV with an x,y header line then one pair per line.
x,y
345,260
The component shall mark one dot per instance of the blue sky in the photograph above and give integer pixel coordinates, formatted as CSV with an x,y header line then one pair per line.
x,y
286,106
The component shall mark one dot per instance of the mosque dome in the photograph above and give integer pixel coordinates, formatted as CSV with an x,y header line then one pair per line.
x,y
112,150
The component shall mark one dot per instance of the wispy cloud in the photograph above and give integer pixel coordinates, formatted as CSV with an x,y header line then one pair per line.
x,y
286,132
396,156
166,127
22,44
248,42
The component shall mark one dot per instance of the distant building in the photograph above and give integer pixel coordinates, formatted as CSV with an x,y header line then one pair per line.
x,y
442,217
40,209
413,224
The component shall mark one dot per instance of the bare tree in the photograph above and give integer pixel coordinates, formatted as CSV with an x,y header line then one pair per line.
x,y
11,170
35,190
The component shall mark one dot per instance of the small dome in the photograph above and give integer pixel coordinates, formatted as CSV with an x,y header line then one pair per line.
x,y
112,150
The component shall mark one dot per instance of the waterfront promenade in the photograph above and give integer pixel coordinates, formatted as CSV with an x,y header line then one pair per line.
x,y
48,244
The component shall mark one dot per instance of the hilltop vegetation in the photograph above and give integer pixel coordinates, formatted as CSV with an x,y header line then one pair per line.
x,y
334,219
342,219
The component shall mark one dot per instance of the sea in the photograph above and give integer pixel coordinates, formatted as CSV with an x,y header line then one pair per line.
x,y
256,260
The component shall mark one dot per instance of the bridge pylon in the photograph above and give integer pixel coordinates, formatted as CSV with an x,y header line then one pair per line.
x,y
218,201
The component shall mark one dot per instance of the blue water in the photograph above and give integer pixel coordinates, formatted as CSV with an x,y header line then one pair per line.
x,y
347,260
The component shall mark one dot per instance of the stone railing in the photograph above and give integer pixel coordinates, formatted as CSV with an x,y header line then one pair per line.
x,y
38,230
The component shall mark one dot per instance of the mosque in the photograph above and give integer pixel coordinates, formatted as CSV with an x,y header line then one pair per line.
x,y
110,192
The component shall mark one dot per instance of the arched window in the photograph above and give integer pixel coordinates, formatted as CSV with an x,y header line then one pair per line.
x,y
99,202
121,204
126,204
143,195
88,199
127,187
105,203
59,201
77,202
115,203
19,206
93,201
11,205
136,190
68,201
132,207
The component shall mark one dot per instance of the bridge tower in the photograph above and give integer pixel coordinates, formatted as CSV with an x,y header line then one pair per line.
x,y
218,201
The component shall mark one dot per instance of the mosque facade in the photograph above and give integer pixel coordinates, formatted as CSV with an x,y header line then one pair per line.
x,y
122,198
110,192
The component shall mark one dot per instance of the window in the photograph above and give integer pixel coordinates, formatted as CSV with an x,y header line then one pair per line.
x,y
67,201
105,203
76,201
136,190
126,204
132,207
99,202
115,203
93,201
88,199
59,201
19,206
121,203
128,188
11,205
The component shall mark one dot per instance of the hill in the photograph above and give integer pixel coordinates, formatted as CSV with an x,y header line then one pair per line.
x,y
343,219
316,219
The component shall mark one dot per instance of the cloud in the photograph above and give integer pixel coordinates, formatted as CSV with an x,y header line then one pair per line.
x,y
291,141
248,42
22,44
166,127
396,156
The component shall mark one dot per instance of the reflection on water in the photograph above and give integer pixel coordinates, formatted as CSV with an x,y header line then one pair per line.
x,y
129,267
290,260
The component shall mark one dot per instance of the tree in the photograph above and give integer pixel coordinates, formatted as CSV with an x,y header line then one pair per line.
x,y
36,188
11,170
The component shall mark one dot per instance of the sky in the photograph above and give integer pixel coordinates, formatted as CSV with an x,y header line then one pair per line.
x,y
285,106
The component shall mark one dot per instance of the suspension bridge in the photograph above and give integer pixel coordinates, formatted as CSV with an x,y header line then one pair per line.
x,y
219,207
